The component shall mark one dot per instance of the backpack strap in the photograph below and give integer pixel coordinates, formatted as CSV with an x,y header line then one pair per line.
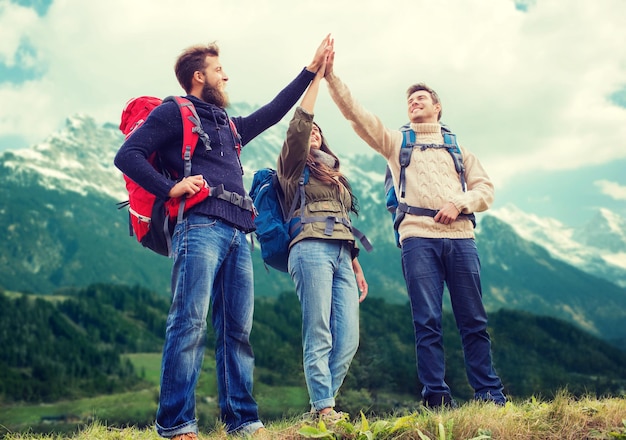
x,y
450,143
192,131
329,221
244,202
238,141
403,208
406,151
300,196
236,135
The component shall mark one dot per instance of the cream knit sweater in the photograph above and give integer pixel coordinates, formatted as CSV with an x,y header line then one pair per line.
x,y
431,179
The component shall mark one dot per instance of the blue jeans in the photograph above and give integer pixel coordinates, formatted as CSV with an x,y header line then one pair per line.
x,y
426,264
326,287
212,267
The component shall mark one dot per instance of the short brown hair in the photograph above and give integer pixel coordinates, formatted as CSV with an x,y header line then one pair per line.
x,y
191,60
421,86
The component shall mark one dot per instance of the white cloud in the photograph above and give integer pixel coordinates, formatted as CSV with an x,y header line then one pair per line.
x,y
524,90
611,189
14,21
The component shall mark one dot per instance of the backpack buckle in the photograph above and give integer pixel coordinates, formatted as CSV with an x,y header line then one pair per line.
x,y
330,224
235,199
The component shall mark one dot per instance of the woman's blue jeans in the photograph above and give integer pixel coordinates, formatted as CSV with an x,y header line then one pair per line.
x,y
212,268
427,263
326,287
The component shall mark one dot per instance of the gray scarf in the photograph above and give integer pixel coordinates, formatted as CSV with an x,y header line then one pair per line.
x,y
324,158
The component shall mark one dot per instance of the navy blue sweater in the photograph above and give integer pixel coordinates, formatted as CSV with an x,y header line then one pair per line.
x,y
163,130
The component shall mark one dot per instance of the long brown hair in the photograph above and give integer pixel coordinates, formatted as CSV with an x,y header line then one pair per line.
x,y
331,176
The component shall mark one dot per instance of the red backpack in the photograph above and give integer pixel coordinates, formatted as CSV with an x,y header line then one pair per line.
x,y
151,219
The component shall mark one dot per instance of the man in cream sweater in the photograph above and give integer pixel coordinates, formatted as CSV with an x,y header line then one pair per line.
x,y
439,248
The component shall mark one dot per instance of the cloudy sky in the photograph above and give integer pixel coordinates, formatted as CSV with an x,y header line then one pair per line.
x,y
536,88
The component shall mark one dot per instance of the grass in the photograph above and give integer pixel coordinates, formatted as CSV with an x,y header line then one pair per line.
x,y
565,417
137,405
272,400
147,365
140,406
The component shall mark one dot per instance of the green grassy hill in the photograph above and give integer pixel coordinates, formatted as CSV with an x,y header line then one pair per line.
x,y
561,418
94,354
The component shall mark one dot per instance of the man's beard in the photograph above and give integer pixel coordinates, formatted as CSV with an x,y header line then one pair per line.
x,y
214,96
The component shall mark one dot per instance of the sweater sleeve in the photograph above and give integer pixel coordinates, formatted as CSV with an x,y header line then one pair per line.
x,y
480,190
365,124
271,113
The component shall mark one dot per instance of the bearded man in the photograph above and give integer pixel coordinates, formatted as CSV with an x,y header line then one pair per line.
x,y
212,265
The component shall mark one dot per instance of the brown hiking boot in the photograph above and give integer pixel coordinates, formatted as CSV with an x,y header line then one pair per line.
x,y
186,436
333,416
262,434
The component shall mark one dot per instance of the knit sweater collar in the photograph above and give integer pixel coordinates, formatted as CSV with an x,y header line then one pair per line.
x,y
426,128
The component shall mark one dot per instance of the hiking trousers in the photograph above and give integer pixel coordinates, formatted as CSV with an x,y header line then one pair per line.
x,y
427,263
212,268
326,287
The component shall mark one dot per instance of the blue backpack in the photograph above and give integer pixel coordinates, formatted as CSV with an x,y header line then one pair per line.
x,y
399,209
276,226
273,222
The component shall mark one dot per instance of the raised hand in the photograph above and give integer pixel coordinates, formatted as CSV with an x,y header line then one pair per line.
x,y
321,54
330,61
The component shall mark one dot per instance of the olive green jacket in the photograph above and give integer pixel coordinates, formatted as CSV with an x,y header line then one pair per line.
x,y
321,199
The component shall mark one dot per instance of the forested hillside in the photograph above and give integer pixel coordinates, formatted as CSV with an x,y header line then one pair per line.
x,y
62,348
61,228
69,345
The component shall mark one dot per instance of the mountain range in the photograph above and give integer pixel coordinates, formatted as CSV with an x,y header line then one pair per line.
x,y
62,229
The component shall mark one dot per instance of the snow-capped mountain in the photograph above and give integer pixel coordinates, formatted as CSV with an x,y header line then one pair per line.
x,y
78,158
61,228
82,161
598,248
